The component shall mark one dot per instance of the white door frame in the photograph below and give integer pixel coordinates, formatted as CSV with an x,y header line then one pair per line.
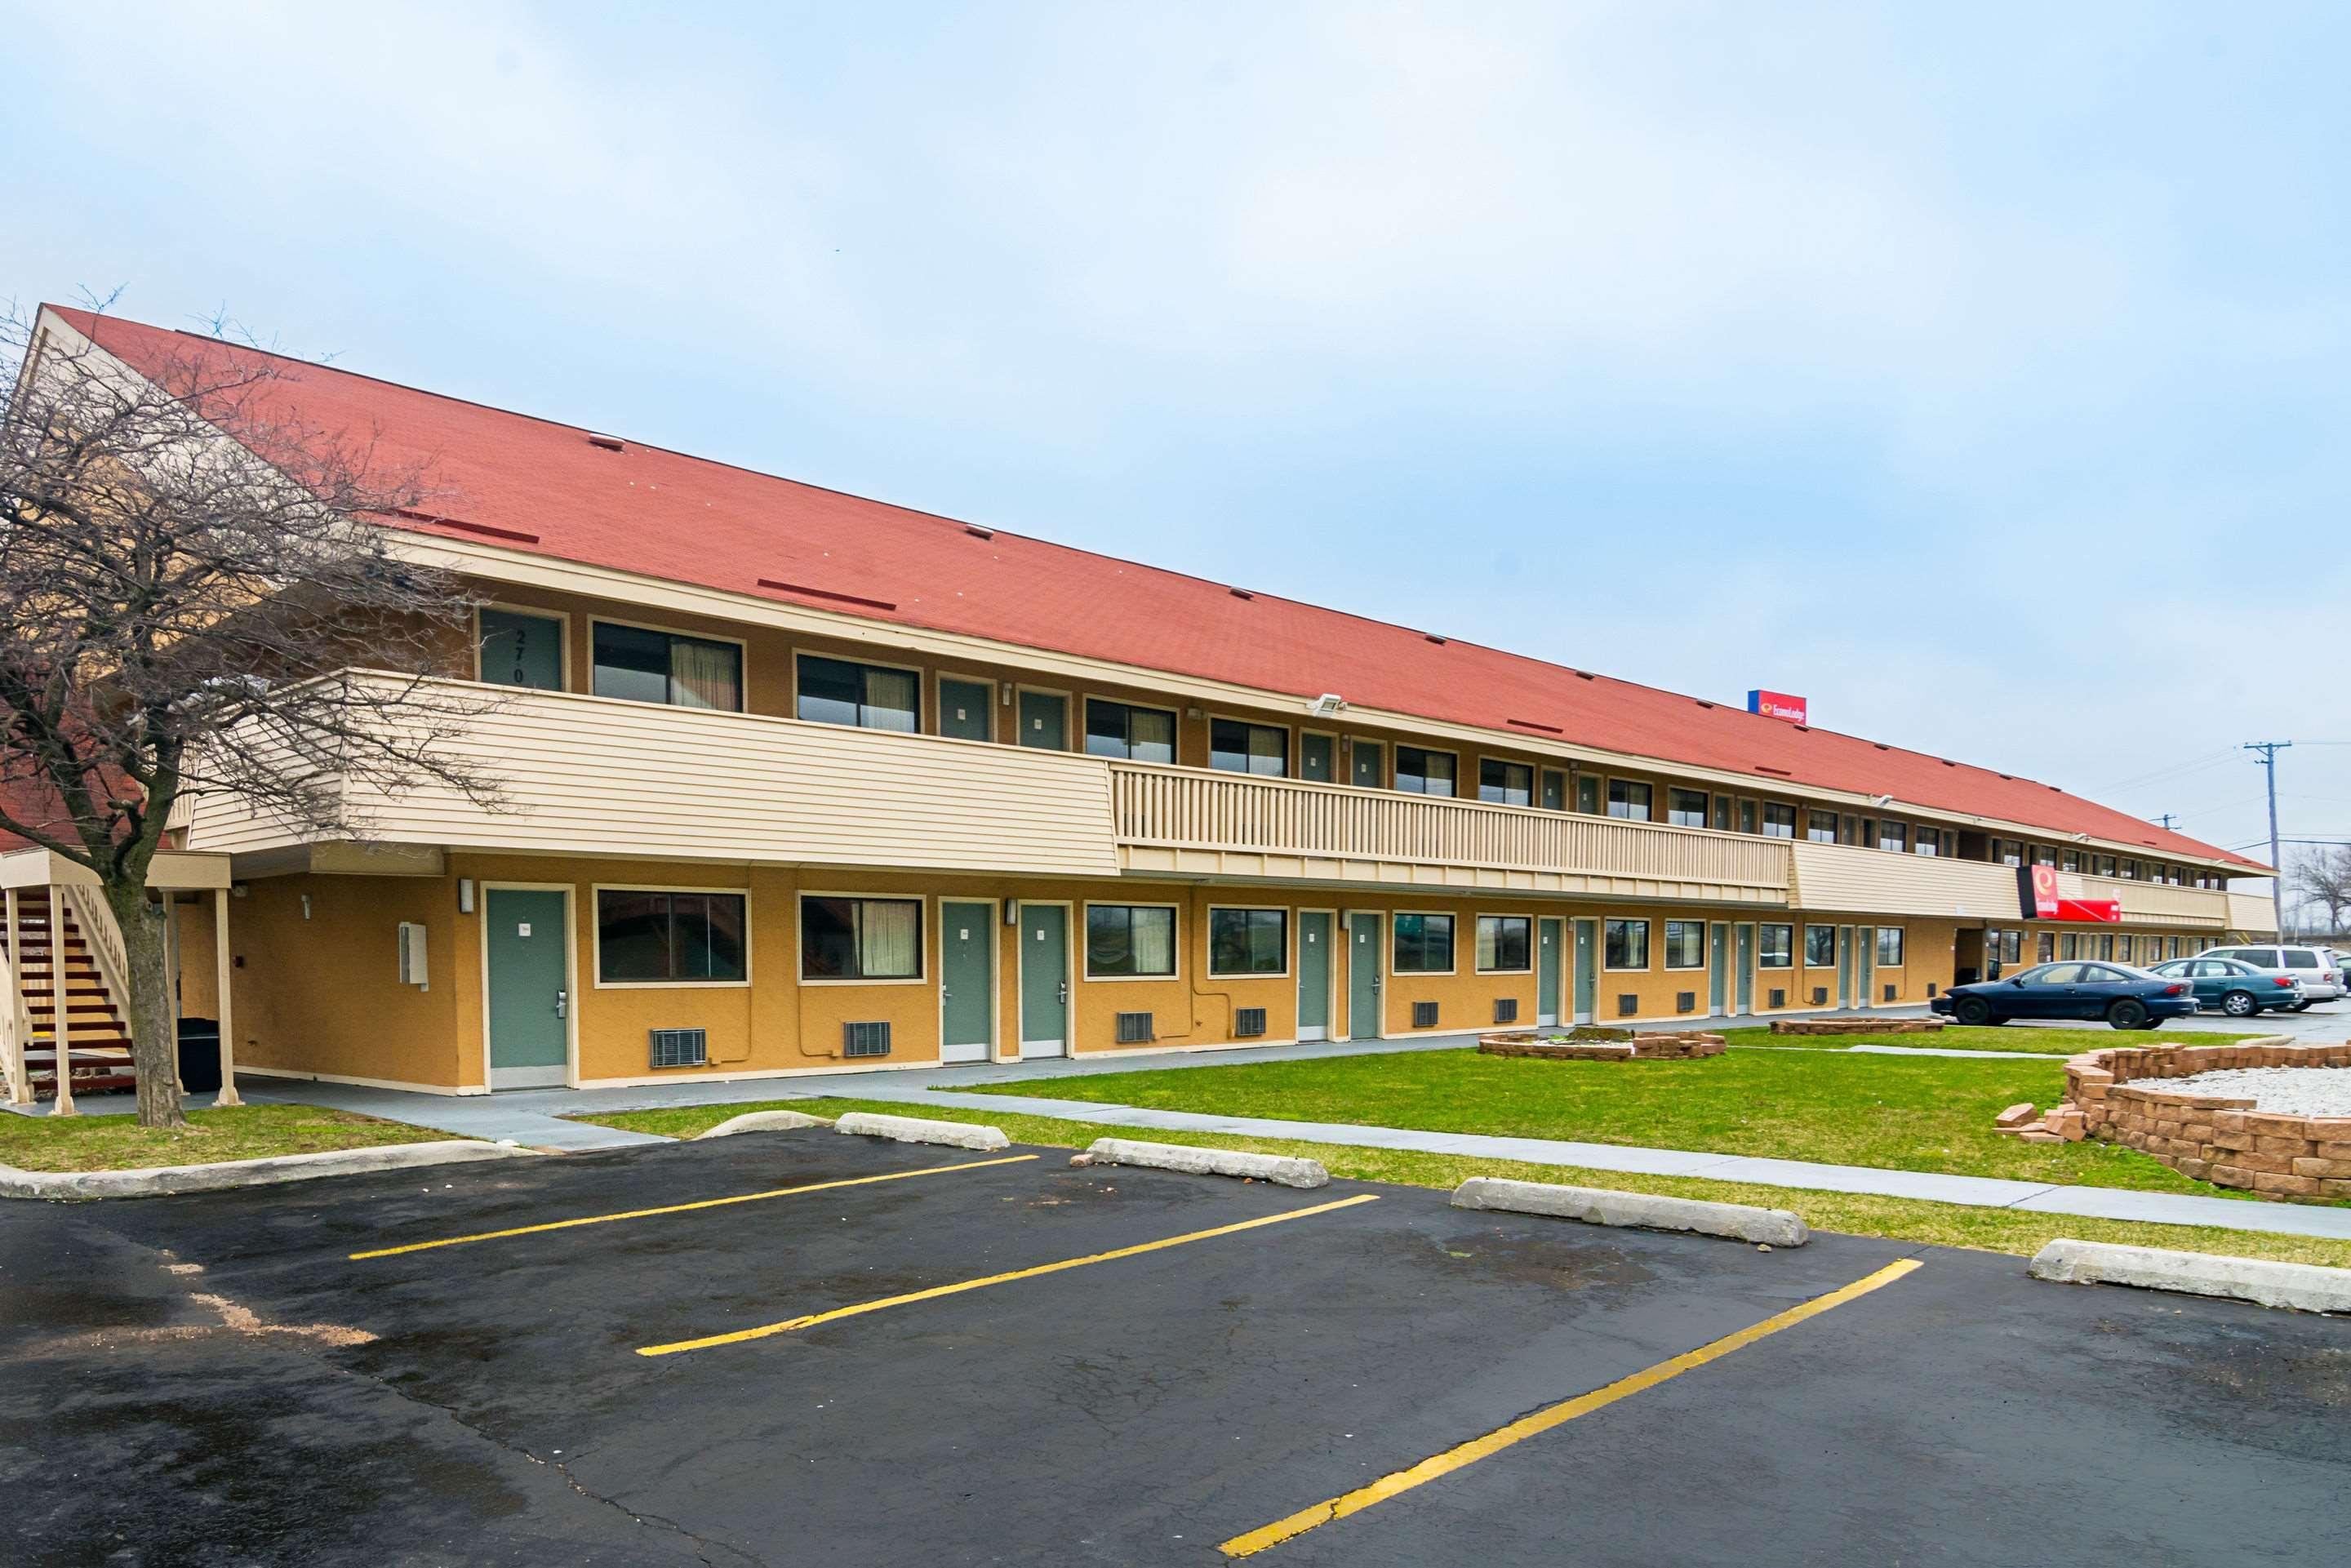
x,y
570,1077
1069,1047
995,994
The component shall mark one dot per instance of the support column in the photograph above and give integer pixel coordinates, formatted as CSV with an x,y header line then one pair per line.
x,y
60,1029
20,1082
226,1009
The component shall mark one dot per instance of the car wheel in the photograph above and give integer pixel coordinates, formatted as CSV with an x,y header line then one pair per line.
x,y
1973,1011
2128,1013
2299,1008
2240,1004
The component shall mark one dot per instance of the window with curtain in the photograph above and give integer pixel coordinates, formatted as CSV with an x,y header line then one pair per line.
x,y
1130,941
1248,941
1420,771
1776,946
1684,944
1929,841
666,668
1686,808
1628,799
861,938
1779,819
1241,748
1505,944
652,937
1819,826
1137,734
1422,945
1895,836
870,696
1505,783
1626,944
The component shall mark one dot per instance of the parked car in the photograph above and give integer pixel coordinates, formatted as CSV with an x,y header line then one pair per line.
x,y
2124,996
2318,970
2236,988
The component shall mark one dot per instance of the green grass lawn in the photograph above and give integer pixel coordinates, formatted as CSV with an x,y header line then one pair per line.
x,y
2029,1040
242,1133
1902,1220
1899,1113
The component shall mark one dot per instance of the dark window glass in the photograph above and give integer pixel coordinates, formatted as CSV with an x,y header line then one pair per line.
x,y
1686,808
1248,941
1238,747
1819,826
1820,947
1424,772
1777,946
1778,821
669,936
1627,944
1138,733
870,696
1684,944
1628,800
1424,943
861,938
1503,943
664,667
1889,946
1128,939
1505,783
520,650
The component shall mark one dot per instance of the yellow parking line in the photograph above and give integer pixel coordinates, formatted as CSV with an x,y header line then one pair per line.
x,y
1543,1420
684,1208
791,1325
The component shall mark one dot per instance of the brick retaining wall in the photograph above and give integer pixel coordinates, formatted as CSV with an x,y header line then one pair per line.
x,y
1685,1046
2113,1096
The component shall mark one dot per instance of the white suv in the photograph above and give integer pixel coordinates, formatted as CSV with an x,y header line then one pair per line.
x,y
2318,969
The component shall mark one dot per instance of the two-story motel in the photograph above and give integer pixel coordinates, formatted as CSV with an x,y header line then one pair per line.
x,y
803,782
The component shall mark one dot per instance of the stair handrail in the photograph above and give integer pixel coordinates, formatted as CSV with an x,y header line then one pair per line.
x,y
15,1033
94,918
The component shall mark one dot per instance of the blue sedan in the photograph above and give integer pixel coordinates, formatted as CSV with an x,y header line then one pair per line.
x,y
2124,997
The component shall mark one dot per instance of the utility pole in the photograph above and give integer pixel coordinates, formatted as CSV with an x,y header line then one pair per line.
x,y
2269,750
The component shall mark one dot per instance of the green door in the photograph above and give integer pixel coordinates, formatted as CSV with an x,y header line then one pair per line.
x,y
966,980
964,709
1845,965
527,984
1044,980
1314,764
1314,975
1747,969
1363,976
1717,979
1587,969
1044,721
1367,765
1547,968
1864,943
520,650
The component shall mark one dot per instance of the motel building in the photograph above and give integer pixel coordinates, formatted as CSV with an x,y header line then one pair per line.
x,y
799,782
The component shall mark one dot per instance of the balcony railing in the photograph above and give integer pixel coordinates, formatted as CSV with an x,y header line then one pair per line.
x,y
1226,821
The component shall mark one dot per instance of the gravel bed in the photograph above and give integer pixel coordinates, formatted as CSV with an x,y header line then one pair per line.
x,y
2291,1091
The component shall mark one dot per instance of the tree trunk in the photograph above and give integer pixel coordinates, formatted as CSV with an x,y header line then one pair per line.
x,y
154,1021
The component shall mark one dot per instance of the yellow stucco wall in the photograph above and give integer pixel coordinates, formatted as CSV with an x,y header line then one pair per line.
x,y
317,988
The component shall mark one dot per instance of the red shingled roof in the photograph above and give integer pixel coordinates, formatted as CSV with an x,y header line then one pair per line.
x,y
535,486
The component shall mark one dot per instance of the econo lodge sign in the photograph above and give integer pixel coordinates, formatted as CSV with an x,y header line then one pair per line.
x,y
2036,889
1776,705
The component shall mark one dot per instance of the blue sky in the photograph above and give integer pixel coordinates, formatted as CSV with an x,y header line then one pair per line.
x,y
1978,372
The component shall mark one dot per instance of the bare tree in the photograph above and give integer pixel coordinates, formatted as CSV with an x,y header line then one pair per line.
x,y
185,564
2323,877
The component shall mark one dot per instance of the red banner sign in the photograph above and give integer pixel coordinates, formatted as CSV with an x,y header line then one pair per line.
x,y
1777,705
2037,899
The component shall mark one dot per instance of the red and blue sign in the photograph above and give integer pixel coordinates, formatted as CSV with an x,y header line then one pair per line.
x,y
1776,705
2036,892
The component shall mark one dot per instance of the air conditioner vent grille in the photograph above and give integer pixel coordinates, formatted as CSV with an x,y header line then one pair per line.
x,y
870,1038
1136,1029
1248,1022
680,1048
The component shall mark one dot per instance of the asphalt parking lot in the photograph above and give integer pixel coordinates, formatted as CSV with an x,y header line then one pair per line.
x,y
844,1375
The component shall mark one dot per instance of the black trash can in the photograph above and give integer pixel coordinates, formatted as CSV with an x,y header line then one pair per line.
x,y
200,1054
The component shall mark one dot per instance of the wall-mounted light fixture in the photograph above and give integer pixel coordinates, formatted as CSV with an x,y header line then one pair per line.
x,y
306,907
1012,912
464,896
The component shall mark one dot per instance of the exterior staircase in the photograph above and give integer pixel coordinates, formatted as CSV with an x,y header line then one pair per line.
x,y
97,1030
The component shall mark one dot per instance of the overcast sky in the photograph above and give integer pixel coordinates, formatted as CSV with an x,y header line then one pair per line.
x,y
1978,372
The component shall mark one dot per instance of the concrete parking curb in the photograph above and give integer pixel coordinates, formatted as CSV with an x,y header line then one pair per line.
x,y
762,1121
1281,1169
1603,1206
915,1130
162,1181
2304,1287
